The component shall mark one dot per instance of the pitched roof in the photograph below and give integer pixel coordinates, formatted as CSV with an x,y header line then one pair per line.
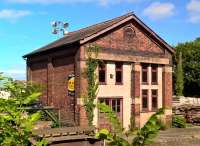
x,y
81,34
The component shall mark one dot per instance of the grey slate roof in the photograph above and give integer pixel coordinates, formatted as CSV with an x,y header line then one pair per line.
x,y
79,34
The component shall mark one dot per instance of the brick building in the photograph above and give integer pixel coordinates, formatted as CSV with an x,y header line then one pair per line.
x,y
135,76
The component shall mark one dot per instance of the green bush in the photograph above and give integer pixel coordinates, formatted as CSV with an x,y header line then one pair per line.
x,y
178,122
16,124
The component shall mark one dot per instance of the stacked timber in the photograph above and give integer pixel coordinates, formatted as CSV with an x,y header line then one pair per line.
x,y
190,112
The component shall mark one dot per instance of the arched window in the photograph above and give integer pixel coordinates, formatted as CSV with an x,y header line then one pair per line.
x,y
129,34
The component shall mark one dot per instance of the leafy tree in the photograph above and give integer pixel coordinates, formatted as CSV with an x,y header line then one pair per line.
x,y
141,137
179,76
191,66
15,123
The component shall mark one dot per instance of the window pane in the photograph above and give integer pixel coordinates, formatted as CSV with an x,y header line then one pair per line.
x,y
154,92
144,92
144,77
154,102
154,99
144,102
102,76
118,105
114,105
154,77
101,100
102,72
144,73
118,65
154,69
144,99
118,77
107,101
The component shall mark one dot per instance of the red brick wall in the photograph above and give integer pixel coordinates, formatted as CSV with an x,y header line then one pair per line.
x,y
53,73
141,42
63,66
39,75
136,95
167,89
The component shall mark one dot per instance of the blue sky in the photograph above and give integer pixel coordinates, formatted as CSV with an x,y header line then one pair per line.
x,y
25,24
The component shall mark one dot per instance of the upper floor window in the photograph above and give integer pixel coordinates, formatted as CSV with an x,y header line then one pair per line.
x,y
119,72
144,100
154,96
102,73
154,74
144,73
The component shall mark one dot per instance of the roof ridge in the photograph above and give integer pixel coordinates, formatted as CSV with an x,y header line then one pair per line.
x,y
107,21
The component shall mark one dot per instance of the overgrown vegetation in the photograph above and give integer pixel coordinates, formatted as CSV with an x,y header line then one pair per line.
x,y
92,84
191,66
178,122
16,124
141,137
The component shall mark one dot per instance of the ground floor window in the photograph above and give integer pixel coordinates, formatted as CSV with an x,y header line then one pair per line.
x,y
116,104
154,96
145,100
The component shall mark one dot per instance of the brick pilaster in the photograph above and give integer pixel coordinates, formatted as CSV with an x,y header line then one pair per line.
x,y
136,67
28,71
83,121
50,80
167,94
167,87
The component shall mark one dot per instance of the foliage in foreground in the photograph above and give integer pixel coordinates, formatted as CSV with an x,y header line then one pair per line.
x,y
15,123
141,137
178,122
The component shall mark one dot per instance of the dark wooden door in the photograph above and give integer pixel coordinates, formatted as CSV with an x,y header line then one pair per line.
x,y
117,106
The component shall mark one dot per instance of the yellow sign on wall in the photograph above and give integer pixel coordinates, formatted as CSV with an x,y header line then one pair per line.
x,y
71,85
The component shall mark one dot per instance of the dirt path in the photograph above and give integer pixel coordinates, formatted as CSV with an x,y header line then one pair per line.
x,y
178,137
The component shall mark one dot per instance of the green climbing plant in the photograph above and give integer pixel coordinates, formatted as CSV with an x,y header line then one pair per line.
x,y
92,83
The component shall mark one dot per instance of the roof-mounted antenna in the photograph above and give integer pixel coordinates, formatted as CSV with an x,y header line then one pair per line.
x,y
59,26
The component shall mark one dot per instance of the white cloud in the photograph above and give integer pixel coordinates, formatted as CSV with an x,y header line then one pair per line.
x,y
158,10
14,71
16,74
193,8
11,14
107,2
101,2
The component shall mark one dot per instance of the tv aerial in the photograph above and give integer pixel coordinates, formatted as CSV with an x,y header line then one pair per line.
x,y
59,27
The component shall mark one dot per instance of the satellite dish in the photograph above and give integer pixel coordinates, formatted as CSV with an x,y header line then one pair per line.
x,y
54,24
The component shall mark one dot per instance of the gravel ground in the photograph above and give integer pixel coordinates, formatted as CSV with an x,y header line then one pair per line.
x,y
179,137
